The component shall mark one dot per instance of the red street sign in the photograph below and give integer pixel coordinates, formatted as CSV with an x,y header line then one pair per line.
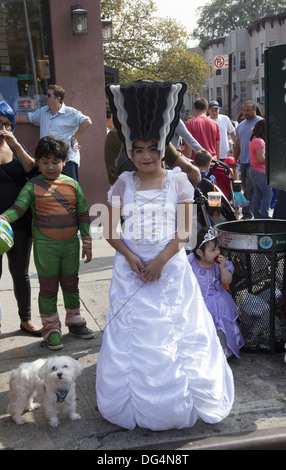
x,y
221,61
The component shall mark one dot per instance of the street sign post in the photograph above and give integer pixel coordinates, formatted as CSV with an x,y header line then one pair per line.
x,y
224,61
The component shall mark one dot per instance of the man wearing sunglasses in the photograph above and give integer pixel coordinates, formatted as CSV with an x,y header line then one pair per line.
x,y
61,121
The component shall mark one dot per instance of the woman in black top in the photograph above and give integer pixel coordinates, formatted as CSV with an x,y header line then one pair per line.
x,y
16,165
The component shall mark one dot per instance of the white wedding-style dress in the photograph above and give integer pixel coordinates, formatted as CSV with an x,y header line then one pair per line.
x,y
161,365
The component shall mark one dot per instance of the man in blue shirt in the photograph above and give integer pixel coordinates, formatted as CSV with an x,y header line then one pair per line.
x,y
61,121
241,152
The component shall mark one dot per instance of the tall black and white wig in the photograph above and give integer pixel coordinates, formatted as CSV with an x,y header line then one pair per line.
x,y
146,110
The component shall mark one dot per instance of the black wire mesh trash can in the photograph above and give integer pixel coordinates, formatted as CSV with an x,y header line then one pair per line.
x,y
257,249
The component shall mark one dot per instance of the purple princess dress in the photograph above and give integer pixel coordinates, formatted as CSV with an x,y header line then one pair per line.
x,y
220,304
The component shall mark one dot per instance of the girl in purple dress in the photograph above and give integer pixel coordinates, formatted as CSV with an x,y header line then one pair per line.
x,y
212,271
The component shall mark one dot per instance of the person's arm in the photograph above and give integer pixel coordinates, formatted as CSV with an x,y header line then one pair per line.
x,y
83,221
232,136
236,149
187,137
225,274
260,150
21,205
188,151
113,238
22,119
260,154
83,127
174,158
217,149
25,159
192,171
112,149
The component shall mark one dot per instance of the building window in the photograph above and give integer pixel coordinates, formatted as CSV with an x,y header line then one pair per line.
x,y
25,65
219,95
262,53
262,87
272,43
243,91
242,61
256,57
233,61
234,89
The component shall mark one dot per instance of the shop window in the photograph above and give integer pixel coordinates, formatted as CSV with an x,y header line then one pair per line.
x,y
25,58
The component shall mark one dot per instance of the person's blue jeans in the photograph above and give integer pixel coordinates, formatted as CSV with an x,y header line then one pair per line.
x,y
71,169
262,195
248,189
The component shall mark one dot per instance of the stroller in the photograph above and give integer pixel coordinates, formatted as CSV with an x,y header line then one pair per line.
x,y
224,179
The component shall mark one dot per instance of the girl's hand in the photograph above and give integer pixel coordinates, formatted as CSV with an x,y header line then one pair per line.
x,y
153,270
135,264
221,261
225,274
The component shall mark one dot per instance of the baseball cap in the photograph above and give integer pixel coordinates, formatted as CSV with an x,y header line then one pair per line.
x,y
230,161
213,104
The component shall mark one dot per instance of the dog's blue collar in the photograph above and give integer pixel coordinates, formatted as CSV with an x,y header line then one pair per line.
x,y
61,395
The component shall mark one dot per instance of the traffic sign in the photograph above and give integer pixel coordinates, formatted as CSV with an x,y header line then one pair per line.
x,y
221,61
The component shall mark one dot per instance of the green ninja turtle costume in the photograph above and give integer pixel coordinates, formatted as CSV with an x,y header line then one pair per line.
x,y
59,210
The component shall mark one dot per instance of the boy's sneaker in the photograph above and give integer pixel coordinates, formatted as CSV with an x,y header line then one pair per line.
x,y
81,331
54,341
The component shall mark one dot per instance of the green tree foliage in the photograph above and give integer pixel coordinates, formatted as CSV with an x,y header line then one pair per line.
x,y
147,46
220,17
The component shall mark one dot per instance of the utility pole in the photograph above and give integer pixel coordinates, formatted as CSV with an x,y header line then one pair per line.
x,y
229,86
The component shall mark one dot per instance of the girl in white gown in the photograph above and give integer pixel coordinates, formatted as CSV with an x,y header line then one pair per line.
x,y
161,365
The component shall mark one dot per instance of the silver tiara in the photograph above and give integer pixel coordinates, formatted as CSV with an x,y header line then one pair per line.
x,y
210,235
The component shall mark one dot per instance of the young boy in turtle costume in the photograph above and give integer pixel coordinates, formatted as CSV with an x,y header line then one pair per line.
x,y
59,210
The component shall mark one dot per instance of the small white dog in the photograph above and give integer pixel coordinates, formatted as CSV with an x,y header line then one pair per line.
x,y
54,378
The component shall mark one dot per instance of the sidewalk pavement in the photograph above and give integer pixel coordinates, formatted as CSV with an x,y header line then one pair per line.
x,y
257,420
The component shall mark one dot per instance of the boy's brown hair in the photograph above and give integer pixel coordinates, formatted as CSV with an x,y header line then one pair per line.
x,y
202,158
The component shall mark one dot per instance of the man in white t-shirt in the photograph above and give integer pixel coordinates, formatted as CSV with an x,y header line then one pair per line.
x,y
241,152
226,128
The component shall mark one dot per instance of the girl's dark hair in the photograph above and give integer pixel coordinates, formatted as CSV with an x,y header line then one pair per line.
x,y
259,130
200,238
51,145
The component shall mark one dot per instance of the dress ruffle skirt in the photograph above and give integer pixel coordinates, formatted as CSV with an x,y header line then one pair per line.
x,y
161,365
